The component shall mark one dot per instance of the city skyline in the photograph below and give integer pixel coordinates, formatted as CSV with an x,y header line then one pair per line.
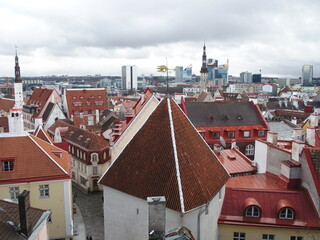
x,y
82,38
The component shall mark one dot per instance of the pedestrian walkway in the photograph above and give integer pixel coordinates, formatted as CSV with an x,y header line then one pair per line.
x,y
79,230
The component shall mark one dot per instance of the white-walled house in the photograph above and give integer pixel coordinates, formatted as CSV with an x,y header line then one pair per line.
x,y
166,157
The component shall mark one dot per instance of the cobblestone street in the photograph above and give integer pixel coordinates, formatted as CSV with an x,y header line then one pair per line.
x,y
91,209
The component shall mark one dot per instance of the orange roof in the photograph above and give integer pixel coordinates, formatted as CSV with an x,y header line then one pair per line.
x,y
43,134
22,149
236,162
6,104
167,157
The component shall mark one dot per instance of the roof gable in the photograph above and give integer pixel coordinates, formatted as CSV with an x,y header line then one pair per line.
x,y
168,157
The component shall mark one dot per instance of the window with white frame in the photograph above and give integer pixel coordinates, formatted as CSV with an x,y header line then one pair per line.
x,y
249,150
94,157
14,192
246,134
85,168
74,176
239,236
267,236
253,211
104,155
7,165
296,238
216,134
231,134
286,213
260,133
94,170
44,191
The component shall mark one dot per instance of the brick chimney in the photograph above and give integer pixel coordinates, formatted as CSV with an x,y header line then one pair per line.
x,y
290,173
24,206
157,217
272,138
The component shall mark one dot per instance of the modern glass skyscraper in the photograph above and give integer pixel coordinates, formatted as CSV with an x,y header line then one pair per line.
x,y
307,74
179,74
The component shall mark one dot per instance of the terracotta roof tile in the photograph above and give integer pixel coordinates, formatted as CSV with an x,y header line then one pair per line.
x,y
148,164
39,98
23,149
6,104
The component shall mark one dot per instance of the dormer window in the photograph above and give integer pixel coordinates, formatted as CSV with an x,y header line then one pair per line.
x,y
253,211
94,157
286,213
7,165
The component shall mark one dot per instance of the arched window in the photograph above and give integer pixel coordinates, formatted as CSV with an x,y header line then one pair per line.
x,y
286,213
253,211
249,150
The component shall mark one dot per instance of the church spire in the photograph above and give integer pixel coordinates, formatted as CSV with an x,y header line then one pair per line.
x,y
204,60
17,69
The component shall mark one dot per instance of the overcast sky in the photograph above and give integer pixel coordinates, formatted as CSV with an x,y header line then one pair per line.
x,y
86,37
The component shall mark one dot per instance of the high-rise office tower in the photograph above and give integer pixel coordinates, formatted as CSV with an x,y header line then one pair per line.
x,y
246,77
129,77
179,74
307,74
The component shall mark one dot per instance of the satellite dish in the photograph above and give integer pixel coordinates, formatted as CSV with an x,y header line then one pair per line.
x,y
223,142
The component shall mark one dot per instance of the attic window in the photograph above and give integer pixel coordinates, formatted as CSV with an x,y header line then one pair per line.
x,y
57,153
239,117
74,97
81,97
80,137
286,213
87,140
7,165
225,118
99,96
253,211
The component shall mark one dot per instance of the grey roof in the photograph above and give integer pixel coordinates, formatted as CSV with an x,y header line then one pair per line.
x,y
47,111
223,114
283,128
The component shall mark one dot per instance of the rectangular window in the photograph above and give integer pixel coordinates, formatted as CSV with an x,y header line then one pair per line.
x,y
74,176
216,134
44,191
83,181
267,237
7,165
239,236
94,170
296,238
231,134
260,133
14,192
246,134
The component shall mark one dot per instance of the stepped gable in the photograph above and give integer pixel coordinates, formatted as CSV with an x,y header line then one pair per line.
x,y
168,157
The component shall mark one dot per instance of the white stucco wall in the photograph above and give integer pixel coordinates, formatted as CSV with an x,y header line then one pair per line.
x,y
269,158
56,113
308,182
126,217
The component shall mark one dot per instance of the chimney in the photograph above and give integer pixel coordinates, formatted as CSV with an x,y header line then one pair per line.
x,y
37,122
272,138
97,116
157,217
24,206
216,148
297,147
314,120
297,133
294,120
290,173
311,132
234,144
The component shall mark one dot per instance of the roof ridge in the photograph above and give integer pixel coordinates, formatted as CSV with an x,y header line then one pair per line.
x,y
31,137
175,156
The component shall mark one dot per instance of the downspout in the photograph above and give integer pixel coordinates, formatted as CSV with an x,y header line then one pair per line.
x,y
198,225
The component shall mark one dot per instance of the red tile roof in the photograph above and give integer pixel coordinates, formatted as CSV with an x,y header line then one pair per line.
x,y
168,157
70,133
39,98
88,98
236,162
27,168
43,134
269,194
6,104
